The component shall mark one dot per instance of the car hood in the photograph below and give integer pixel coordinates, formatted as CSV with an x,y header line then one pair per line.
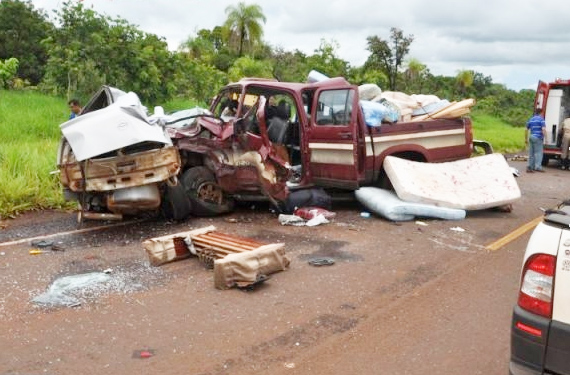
x,y
120,124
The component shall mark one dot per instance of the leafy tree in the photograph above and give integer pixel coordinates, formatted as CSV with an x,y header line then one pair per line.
x,y
415,76
88,50
464,80
209,48
248,67
8,69
243,25
326,61
388,57
195,79
22,28
289,66
362,75
481,85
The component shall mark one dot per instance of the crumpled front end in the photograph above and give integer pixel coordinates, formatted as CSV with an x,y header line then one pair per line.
x,y
113,161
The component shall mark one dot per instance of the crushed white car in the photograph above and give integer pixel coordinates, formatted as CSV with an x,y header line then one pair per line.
x,y
114,160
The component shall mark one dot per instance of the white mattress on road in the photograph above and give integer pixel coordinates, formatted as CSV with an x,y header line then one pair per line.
x,y
385,203
470,184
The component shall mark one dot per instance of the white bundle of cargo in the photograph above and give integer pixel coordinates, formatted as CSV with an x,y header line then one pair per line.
x,y
415,107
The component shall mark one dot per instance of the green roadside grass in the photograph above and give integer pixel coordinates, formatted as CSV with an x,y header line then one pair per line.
x,y
30,134
29,137
503,137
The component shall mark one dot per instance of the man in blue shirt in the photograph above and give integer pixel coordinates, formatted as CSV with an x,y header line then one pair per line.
x,y
536,126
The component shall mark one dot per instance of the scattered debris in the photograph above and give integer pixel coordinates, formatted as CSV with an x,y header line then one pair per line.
x,y
245,268
78,289
294,220
309,213
42,243
144,353
313,217
317,220
57,248
322,261
457,229
519,158
61,291
45,244
421,223
166,249
365,214
237,261
259,280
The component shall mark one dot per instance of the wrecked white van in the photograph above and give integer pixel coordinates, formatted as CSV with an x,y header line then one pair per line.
x,y
113,160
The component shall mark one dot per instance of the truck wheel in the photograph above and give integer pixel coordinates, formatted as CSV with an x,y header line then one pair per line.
x,y
206,196
175,204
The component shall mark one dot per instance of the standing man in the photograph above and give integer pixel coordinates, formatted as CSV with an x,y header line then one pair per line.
x,y
74,107
564,162
536,126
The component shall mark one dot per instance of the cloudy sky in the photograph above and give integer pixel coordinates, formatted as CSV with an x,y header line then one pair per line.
x,y
517,43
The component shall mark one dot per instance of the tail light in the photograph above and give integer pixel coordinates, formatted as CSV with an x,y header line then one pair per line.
x,y
537,285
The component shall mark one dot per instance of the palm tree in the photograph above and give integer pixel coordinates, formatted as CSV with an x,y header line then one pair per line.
x,y
464,79
415,75
243,24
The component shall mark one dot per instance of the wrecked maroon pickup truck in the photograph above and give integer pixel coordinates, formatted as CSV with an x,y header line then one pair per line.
x,y
260,140
274,139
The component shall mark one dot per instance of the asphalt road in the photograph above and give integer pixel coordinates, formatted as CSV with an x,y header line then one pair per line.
x,y
401,298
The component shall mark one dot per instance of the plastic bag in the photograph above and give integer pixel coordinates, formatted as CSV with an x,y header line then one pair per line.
x,y
377,112
309,213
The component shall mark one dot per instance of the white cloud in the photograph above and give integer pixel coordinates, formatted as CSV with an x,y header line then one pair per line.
x,y
516,43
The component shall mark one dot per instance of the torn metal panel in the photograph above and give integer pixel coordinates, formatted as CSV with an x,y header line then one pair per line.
x,y
106,96
119,125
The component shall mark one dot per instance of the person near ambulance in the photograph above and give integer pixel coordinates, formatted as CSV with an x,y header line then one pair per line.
x,y
535,133
564,161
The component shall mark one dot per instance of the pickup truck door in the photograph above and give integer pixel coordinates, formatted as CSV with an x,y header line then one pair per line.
x,y
335,153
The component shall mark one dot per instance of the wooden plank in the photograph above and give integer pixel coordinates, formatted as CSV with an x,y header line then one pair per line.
x,y
229,241
430,115
220,244
233,238
466,103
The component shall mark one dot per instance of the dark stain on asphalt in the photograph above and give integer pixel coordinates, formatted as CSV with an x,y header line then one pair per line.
x,y
332,249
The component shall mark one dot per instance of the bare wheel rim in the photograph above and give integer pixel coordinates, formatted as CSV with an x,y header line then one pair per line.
x,y
210,192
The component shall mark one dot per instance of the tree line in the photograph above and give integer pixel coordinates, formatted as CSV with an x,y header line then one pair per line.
x,y
82,50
